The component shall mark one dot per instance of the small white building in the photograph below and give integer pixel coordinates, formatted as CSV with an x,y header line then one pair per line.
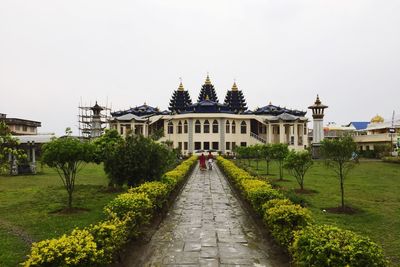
x,y
210,125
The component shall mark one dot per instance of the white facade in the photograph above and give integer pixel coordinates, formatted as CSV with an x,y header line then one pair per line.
x,y
193,132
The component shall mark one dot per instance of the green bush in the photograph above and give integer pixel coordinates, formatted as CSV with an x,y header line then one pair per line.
x,y
326,245
283,218
76,249
157,192
258,192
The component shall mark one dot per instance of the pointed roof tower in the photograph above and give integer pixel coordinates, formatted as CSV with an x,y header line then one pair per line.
x,y
235,100
180,100
207,90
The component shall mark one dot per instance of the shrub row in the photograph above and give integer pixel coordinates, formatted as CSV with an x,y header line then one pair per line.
x,y
292,226
98,244
391,159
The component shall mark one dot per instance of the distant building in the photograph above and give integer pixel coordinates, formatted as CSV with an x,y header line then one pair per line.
x,y
20,126
378,132
211,125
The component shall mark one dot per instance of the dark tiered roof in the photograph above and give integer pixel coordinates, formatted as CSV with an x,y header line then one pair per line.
x,y
276,110
180,100
208,106
207,92
235,100
140,111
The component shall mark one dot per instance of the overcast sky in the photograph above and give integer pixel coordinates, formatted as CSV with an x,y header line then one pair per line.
x,y
54,53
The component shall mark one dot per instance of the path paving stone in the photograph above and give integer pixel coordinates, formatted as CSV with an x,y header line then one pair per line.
x,y
206,227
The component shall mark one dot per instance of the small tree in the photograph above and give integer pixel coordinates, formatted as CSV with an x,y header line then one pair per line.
x,y
279,152
8,147
298,163
337,154
266,152
67,155
256,153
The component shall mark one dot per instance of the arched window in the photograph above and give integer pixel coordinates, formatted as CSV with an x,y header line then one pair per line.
x,y
185,127
197,127
170,127
227,127
179,127
243,127
206,127
233,127
215,126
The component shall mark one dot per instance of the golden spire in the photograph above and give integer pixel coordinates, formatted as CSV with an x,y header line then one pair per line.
x,y
207,98
234,86
208,81
377,119
181,88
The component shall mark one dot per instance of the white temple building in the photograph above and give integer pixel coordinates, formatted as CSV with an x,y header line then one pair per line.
x,y
210,125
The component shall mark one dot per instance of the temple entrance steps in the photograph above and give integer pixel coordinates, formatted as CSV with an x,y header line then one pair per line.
x,y
259,138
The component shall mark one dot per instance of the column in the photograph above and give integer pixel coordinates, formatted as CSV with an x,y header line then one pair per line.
x,y
296,134
222,135
33,162
190,139
269,133
282,133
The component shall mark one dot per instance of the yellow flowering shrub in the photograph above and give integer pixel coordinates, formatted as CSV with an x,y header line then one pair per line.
x,y
157,192
76,249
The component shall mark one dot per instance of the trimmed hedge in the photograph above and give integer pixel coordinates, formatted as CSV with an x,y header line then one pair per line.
x,y
325,245
98,244
291,226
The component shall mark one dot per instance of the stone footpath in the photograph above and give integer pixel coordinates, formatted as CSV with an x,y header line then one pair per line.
x,y
207,227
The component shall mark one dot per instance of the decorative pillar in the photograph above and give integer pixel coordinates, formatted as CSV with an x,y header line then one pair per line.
x,y
296,134
270,141
318,125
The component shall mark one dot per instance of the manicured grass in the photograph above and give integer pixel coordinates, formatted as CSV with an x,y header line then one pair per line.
x,y
28,206
372,187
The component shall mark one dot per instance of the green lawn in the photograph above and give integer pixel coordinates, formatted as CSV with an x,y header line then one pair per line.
x,y
372,187
28,205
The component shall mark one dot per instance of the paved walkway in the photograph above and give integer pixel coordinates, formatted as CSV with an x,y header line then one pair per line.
x,y
206,227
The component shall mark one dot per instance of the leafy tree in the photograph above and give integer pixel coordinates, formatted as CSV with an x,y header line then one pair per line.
x,y
138,159
106,146
266,152
8,146
338,154
298,164
279,152
67,155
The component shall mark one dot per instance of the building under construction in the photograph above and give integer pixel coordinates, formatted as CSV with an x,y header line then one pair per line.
x,y
93,120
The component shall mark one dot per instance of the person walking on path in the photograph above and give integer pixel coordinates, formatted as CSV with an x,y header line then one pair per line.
x,y
202,160
210,160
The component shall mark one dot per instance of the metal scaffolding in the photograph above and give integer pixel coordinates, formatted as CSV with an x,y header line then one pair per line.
x,y
93,120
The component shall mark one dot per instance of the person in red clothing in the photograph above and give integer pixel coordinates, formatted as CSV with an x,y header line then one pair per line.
x,y
202,160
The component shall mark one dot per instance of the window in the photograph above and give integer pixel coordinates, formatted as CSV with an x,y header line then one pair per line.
x,y
179,127
305,129
121,130
233,127
31,129
215,126
292,140
228,146
243,127
243,144
24,128
197,145
197,127
206,127
185,146
233,145
18,127
185,127
206,145
180,145
170,128
215,145
367,148
227,127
